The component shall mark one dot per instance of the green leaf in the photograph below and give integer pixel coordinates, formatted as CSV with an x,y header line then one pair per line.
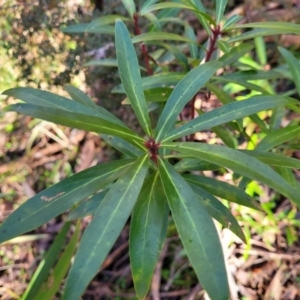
x,y
47,99
194,164
121,145
261,50
176,5
274,159
130,75
87,207
278,137
148,3
220,8
235,54
280,27
190,34
108,62
50,288
231,21
219,211
85,28
46,264
226,136
147,233
155,81
79,96
184,91
294,66
108,19
194,226
109,219
240,163
79,121
158,94
226,113
53,201
158,36
130,7
252,34
223,190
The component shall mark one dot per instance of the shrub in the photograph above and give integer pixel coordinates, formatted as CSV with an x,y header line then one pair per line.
x,y
156,175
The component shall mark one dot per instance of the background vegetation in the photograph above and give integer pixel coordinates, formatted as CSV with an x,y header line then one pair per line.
x,y
35,154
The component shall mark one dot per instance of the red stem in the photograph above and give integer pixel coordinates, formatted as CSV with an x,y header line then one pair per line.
x,y
143,46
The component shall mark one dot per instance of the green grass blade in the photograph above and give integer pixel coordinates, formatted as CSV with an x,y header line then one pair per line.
x,y
182,94
220,8
77,120
278,137
148,229
53,201
46,264
227,113
109,219
194,226
294,66
274,159
87,207
50,288
240,163
223,190
130,75
219,211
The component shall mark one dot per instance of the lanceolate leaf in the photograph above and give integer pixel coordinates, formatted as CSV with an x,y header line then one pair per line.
x,y
193,48
231,21
77,28
274,159
176,5
223,190
158,36
240,163
194,164
253,34
218,211
155,81
109,219
294,66
130,75
130,7
197,232
228,112
220,8
182,94
47,99
121,145
235,54
147,233
79,96
46,264
278,137
280,27
76,120
53,201
60,270
87,207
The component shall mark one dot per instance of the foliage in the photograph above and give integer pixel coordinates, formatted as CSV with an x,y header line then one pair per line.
x,y
157,174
